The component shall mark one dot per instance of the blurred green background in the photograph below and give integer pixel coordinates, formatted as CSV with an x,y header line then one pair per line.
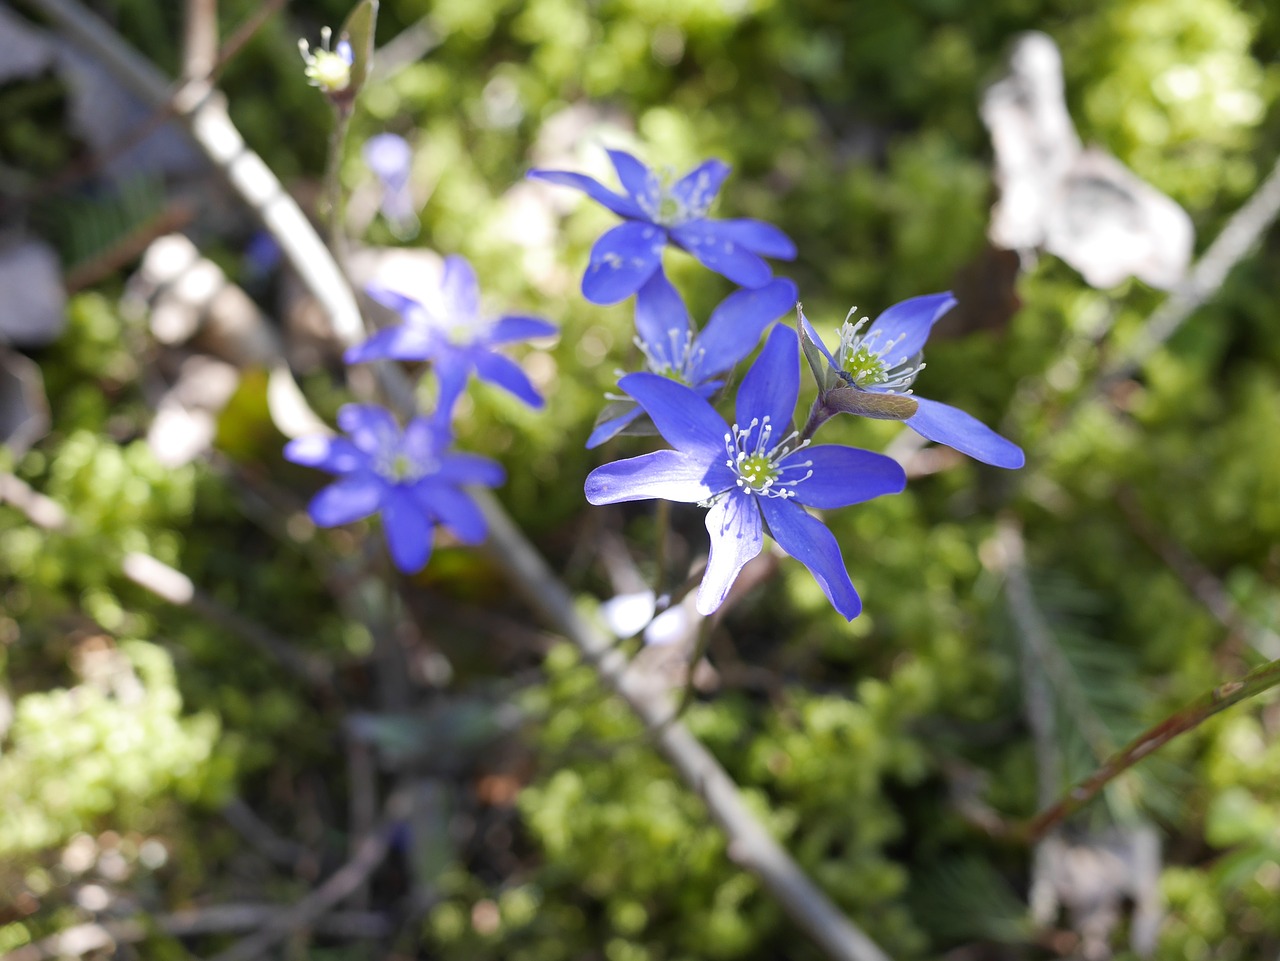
x,y
132,727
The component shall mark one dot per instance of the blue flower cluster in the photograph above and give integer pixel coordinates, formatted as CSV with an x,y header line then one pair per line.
x,y
409,475
757,473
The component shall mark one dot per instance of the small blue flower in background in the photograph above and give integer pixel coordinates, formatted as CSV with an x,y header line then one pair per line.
x,y
658,212
886,359
672,349
390,158
450,332
408,476
753,473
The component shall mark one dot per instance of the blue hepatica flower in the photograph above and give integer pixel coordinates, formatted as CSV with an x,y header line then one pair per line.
x,y
672,349
886,359
659,211
753,473
450,332
407,476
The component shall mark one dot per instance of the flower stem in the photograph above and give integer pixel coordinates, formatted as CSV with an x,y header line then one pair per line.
x,y
1194,714
333,180
819,414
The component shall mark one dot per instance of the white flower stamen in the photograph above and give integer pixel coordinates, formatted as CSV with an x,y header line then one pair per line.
x,y
868,360
757,462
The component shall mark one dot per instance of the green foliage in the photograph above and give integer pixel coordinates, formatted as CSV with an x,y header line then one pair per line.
x,y
854,127
113,746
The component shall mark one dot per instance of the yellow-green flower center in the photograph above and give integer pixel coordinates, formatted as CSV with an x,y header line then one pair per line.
x,y
863,366
757,470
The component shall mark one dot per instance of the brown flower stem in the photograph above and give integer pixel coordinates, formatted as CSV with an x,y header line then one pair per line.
x,y
1193,715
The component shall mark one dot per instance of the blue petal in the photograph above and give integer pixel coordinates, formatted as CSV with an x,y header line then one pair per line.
x,y
372,428
723,254
697,189
687,421
461,468
807,540
844,475
759,238
610,429
423,437
512,328
662,320
506,373
455,510
736,536
622,206
407,528
403,342
348,499
460,291
772,385
912,320
334,454
736,325
622,260
951,426
452,369
664,474
407,307
637,179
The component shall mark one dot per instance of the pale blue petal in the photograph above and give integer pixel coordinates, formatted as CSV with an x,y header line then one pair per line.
x,y
407,528
736,536
807,539
506,373
372,428
622,206
662,321
334,454
759,238
460,291
842,475
348,499
404,342
736,325
697,189
687,421
912,320
772,385
721,253
637,179
663,474
622,260
949,425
